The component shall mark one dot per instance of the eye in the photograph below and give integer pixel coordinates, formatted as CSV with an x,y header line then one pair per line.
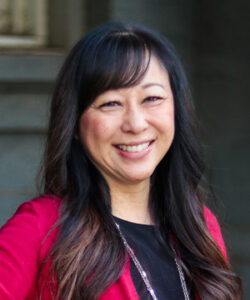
x,y
109,105
153,99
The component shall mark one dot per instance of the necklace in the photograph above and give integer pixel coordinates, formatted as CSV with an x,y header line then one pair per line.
x,y
144,274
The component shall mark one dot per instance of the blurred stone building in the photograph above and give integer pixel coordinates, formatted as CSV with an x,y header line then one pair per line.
x,y
212,40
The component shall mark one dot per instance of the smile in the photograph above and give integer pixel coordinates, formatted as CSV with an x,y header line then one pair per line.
x,y
134,148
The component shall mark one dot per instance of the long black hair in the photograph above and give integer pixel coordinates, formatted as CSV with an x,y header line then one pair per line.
x,y
112,56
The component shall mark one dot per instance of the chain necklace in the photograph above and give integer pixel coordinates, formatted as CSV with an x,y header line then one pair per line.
x,y
144,274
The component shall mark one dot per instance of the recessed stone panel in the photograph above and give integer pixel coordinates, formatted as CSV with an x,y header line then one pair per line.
x,y
24,111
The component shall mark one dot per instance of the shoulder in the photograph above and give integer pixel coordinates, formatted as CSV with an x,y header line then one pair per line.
x,y
26,239
45,207
33,219
214,229
44,210
44,202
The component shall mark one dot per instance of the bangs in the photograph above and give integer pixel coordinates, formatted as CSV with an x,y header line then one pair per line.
x,y
119,60
124,61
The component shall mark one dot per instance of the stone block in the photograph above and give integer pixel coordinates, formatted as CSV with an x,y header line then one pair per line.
x,y
33,68
20,157
24,112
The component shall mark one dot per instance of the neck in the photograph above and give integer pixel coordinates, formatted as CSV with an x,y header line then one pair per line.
x,y
131,202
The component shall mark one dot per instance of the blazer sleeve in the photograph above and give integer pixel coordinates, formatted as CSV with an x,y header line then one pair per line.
x,y
20,242
214,229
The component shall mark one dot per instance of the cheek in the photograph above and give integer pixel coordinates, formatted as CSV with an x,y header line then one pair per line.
x,y
165,121
170,118
94,131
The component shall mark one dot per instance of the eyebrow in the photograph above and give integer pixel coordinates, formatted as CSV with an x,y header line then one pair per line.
x,y
147,85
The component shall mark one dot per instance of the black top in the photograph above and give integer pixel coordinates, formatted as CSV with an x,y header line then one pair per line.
x,y
160,267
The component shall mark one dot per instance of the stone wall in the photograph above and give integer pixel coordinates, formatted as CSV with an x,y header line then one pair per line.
x,y
25,85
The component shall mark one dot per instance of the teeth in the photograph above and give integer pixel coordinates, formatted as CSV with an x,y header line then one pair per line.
x,y
137,148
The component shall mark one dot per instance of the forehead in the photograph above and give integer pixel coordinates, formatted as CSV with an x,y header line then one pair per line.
x,y
156,72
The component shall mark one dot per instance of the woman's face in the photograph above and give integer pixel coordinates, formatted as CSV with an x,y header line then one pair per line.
x,y
126,132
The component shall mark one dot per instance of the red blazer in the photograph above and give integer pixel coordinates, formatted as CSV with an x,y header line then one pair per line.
x,y
20,252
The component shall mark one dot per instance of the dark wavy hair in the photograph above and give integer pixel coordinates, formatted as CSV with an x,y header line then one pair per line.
x,y
88,255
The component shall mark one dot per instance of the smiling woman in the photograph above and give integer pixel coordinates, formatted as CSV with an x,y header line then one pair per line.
x,y
122,215
127,131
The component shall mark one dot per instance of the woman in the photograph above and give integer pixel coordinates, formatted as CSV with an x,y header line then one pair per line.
x,y
122,214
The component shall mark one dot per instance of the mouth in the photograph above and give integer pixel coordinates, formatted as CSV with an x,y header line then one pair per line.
x,y
133,147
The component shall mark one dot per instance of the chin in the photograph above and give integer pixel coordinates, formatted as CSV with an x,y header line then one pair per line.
x,y
136,178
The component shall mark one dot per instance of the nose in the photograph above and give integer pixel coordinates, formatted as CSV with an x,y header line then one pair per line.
x,y
134,120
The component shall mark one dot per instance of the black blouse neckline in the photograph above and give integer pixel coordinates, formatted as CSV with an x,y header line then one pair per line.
x,y
161,268
133,224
